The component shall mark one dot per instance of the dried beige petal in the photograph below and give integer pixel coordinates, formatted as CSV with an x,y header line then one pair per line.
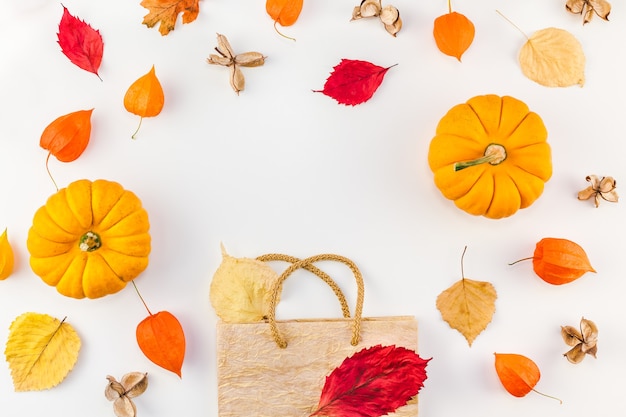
x,y
389,15
250,59
219,60
589,332
135,383
395,28
575,354
571,335
370,8
223,47
124,407
114,390
237,80
554,58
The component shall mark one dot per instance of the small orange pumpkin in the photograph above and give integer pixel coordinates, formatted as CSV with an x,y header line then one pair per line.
x,y
90,239
490,156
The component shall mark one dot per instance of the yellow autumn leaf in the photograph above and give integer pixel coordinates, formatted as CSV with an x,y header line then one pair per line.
x,y
468,305
6,256
554,58
240,289
41,351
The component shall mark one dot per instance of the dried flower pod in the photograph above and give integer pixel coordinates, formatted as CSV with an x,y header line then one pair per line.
x,y
583,341
132,385
588,8
228,58
600,189
388,15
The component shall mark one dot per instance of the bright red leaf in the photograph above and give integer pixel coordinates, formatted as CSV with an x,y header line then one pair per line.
x,y
161,338
373,382
353,82
81,43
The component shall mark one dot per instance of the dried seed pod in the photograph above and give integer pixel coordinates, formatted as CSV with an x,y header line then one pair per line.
x,y
132,385
229,59
395,28
584,341
388,15
600,189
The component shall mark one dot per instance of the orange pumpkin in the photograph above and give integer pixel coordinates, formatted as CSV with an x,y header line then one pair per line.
x,y
490,156
90,239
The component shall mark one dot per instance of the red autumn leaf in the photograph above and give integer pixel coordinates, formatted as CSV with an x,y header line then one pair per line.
x,y
373,382
67,136
161,338
353,82
80,43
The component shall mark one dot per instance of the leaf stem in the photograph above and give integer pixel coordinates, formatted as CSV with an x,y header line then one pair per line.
x,y
462,257
49,173
449,6
549,396
513,24
282,34
140,297
523,259
138,127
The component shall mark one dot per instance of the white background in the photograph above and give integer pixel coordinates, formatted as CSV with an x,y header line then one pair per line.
x,y
280,168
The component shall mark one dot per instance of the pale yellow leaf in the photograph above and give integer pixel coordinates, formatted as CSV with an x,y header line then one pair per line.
x,y
41,351
6,256
553,57
468,306
240,289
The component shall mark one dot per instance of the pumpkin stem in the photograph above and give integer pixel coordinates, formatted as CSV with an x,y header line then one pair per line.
x,y
494,154
449,6
89,242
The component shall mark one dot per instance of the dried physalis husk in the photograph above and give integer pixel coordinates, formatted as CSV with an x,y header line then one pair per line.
x,y
588,8
388,15
601,188
228,58
132,385
583,341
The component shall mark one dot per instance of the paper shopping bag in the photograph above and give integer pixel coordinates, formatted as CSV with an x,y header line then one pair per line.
x,y
278,368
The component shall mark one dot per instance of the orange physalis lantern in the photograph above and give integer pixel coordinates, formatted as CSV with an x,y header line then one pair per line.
x,y
145,97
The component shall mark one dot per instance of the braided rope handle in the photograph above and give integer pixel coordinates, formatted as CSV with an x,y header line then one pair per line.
x,y
307,264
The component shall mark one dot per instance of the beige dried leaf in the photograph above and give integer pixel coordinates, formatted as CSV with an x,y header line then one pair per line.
x,y
600,189
468,306
132,385
588,8
584,341
240,289
554,58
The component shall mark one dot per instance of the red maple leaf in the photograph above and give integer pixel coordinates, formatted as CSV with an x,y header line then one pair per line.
x,y
81,43
373,382
353,82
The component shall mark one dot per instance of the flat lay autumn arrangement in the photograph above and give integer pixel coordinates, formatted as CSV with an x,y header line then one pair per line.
x,y
287,208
